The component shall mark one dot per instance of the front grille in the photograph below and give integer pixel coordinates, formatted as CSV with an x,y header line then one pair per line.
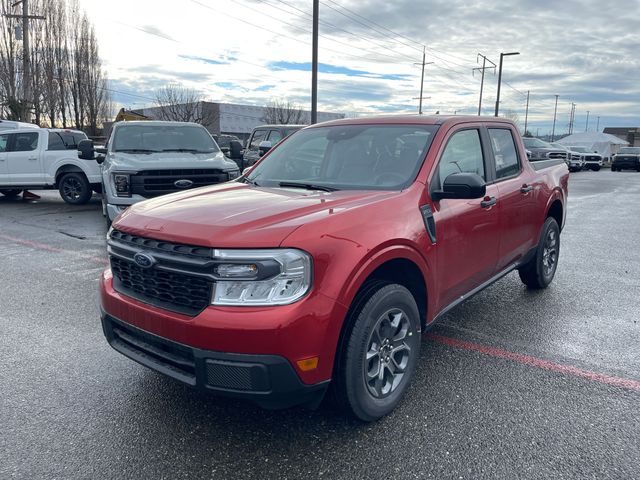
x,y
173,291
152,183
591,158
556,155
158,245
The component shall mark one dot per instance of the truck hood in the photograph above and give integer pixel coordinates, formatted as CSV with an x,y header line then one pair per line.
x,y
136,162
237,215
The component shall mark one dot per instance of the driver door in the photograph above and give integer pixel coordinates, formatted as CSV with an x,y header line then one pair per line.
x,y
468,231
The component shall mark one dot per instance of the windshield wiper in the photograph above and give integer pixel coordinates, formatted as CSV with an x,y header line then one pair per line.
x,y
137,150
250,182
189,150
308,186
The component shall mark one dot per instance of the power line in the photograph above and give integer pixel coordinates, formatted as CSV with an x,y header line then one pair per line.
x,y
335,27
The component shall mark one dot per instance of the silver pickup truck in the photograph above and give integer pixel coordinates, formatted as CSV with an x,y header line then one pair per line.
x,y
145,159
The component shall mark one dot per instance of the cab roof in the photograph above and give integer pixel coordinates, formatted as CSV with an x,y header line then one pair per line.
x,y
416,120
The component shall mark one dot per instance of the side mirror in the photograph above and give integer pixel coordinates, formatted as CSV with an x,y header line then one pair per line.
x,y
264,147
247,170
86,150
101,154
235,149
461,185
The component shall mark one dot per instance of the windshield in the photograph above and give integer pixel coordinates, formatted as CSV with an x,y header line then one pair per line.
x,y
557,145
580,149
378,157
163,138
535,143
635,150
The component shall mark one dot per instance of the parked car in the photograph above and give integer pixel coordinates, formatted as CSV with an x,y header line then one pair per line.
x,y
12,125
541,150
322,267
574,160
145,159
627,158
592,160
45,158
262,139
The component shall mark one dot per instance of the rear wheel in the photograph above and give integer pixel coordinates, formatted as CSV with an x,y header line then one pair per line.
x,y
74,188
380,352
11,193
538,272
596,168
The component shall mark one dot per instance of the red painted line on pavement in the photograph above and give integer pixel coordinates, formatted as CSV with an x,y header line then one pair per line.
x,y
51,248
536,362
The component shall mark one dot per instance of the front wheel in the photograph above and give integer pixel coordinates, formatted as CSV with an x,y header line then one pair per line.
x,y
74,188
11,193
380,352
596,168
538,272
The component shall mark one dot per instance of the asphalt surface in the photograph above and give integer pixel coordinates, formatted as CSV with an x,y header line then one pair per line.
x,y
512,384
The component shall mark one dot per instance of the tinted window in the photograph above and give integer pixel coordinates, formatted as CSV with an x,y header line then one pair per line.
x,y
24,142
274,137
463,154
258,136
383,157
55,142
504,152
634,150
3,142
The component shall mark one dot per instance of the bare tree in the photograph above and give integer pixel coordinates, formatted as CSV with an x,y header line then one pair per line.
x,y
67,79
178,103
283,112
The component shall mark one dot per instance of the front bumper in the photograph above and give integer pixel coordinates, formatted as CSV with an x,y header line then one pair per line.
x,y
268,380
114,210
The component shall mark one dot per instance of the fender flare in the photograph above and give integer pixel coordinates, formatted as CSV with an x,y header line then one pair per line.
x,y
377,258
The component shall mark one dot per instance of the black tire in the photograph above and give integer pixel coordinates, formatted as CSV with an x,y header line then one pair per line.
x,y
74,188
596,168
11,193
538,272
394,357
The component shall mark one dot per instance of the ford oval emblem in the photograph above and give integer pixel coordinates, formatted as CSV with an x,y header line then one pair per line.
x,y
144,260
184,183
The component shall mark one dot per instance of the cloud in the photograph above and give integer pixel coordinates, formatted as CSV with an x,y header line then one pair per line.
x,y
583,51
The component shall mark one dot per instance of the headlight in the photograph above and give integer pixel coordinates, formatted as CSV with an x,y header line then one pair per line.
x,y
122,184
261,277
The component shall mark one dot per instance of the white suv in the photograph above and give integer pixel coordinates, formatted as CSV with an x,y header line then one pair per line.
x,y
45,158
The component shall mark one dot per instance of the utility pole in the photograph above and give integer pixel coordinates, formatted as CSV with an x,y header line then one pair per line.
x,y
502,55
484,67
598,124
586,127
526,114
26,64
555,111
572,117
424,63
314,64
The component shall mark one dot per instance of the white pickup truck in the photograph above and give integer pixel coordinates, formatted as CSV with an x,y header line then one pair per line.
x,y
40,158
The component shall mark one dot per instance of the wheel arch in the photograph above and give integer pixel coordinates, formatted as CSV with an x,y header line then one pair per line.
x,y
67,168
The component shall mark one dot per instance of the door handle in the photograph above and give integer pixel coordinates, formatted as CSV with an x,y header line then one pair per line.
x,y
33,158
488,202
526,188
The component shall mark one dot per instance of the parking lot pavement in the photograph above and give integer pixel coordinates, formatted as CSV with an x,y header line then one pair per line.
x,y
512,384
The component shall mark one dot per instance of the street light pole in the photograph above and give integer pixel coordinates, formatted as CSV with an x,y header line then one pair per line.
x,y
598,124
555,111
314,64
586,127
502,55
526,114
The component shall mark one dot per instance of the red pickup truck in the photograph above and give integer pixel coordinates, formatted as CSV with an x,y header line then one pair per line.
x,y
319,268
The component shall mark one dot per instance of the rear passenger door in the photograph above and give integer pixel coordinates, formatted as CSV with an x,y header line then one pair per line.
x,y
517,197
467,231
23,159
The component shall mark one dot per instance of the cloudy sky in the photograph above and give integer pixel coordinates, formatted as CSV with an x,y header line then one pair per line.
x,y
250,51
